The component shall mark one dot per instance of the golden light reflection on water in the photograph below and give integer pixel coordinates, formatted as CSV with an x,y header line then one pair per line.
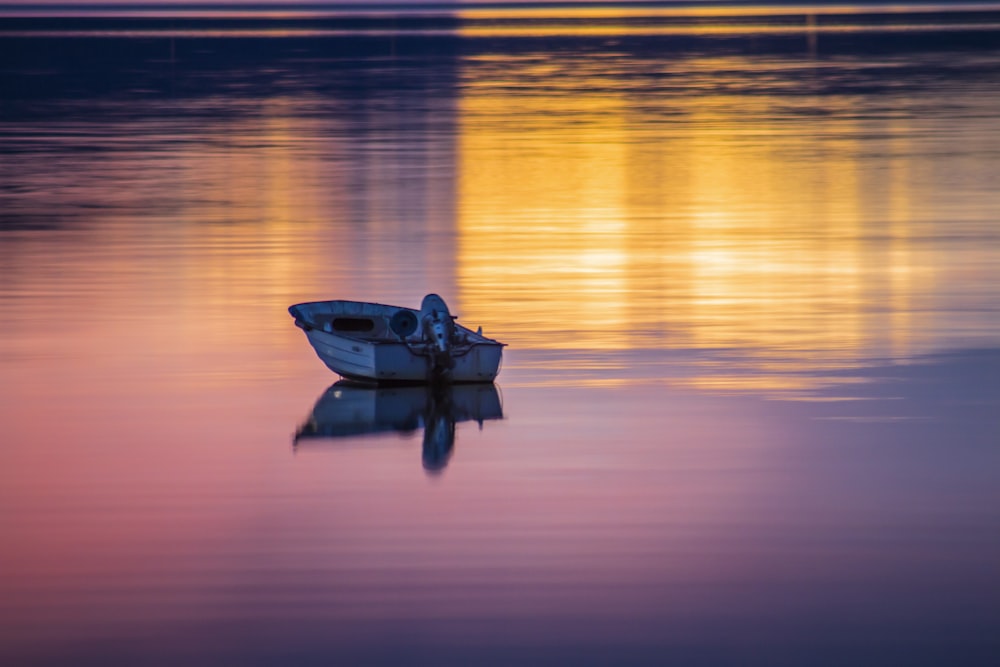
x,y
515,20
710,220
598,11
618,30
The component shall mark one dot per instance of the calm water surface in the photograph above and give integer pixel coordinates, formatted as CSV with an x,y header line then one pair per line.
x,y
748,268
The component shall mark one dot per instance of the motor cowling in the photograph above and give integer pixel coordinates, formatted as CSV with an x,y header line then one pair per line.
x,y
438,328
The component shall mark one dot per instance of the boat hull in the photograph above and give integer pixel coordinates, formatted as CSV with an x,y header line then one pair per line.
x,y
374,342
389,362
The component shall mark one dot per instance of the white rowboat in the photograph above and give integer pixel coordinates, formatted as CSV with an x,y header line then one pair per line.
x,y
373,342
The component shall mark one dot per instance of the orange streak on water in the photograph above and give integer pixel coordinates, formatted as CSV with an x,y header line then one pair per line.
x,y
593,223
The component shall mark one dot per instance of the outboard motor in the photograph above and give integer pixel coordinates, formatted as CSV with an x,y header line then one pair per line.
x,y
438,329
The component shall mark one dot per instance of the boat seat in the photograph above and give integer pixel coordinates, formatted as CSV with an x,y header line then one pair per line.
x,y
357,326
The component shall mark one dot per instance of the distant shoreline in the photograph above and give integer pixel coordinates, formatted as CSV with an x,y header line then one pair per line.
x,y
737,19
475,8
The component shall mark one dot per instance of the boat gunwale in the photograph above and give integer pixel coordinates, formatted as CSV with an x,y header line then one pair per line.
x,y
306,325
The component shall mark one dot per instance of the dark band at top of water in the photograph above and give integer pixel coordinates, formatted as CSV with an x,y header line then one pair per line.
x,y
403,6
667,13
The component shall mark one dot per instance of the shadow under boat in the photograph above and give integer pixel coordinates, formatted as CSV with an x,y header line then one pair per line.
x,y
350,409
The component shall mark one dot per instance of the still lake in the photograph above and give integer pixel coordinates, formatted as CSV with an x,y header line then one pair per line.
x,y
747,265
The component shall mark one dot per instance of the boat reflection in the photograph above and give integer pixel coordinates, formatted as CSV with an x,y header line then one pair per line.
x,y
349,409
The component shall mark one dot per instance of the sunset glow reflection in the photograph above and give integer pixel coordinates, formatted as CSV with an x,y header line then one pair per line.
x,y
596,222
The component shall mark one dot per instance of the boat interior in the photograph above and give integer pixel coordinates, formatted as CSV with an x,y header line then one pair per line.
x,y
355,326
